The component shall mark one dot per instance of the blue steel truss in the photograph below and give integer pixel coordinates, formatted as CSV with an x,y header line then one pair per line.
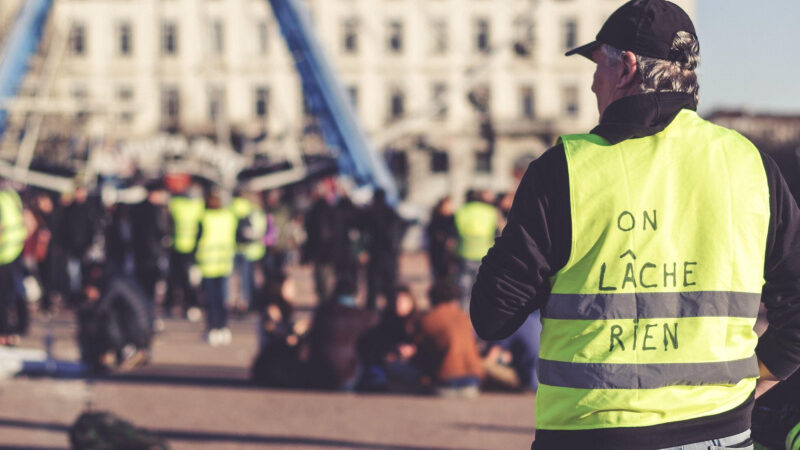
x,y
328,101
20,44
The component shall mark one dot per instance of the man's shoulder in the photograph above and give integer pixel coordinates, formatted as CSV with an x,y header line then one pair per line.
x,y
552,164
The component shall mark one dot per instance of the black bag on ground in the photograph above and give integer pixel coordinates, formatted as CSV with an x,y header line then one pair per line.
x,y
104,431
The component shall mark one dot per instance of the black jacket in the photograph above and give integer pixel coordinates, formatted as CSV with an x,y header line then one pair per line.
x,y
514,278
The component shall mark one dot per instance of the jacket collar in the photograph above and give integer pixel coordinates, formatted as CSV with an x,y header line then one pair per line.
x,y
641,115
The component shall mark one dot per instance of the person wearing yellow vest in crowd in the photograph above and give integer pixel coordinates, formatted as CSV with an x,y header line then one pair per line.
x,y
216,248
648,246
250,246
476,224
13,233
186,210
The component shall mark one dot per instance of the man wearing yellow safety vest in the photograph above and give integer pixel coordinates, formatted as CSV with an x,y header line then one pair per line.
x,y
216,247
250,246
648,246
12,239
186,211
476,224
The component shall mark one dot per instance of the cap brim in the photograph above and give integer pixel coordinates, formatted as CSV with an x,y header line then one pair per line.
x,y
585,50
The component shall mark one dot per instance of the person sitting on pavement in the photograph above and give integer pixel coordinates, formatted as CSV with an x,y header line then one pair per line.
x,y
387,349
280,359
447,353
333,339
114,330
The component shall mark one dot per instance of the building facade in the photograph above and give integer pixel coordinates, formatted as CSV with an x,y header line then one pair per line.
x,y
455,92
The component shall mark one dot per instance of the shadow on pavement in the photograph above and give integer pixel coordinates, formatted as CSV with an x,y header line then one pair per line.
x,y
31,425
28,447
183,375
497,428
205,436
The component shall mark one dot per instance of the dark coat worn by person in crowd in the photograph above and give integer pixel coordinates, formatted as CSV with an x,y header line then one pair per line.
x,y
383,229
319,248
346,242
442,240
150,226
81,219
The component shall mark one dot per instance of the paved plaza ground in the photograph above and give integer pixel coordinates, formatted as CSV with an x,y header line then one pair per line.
x,y
199,397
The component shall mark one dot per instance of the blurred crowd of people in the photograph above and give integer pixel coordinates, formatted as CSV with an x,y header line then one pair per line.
x,y
175,248
395,341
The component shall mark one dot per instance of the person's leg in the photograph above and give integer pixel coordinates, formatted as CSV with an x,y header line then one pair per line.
x,y
174,290
373,283
19,301
390,280
5,300
212,302
469,271
329,279
319,282
222,293
248,283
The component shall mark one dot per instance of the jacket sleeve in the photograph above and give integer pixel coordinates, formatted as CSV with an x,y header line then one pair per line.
x,y
779,347
513,280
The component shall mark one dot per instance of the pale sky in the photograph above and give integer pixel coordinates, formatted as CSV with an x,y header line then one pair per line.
x,y
750,54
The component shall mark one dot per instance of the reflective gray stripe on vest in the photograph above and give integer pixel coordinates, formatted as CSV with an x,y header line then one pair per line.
x,y
651,305
644,376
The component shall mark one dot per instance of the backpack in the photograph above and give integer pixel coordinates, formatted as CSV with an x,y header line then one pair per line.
x,y
104,431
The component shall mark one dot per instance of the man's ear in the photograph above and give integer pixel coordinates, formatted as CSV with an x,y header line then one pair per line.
x,y
629,71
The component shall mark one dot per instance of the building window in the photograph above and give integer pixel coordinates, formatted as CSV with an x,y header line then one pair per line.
x,y
397,104
482,43
216,103
352,93
440,100
217,38
79,92
481,98
262,102
439,37
262,31
524,37
124,94
125,39
395,42
169,39
170,107
570,94
570,34
350,38
77,39
440,161
527,106
483,162
126,117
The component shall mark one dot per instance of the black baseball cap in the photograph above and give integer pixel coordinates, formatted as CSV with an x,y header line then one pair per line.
x,y
644,27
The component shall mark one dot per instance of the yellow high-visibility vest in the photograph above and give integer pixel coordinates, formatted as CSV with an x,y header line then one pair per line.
x,y
476,223
651,319
12,226
186,214
256,249
217,245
